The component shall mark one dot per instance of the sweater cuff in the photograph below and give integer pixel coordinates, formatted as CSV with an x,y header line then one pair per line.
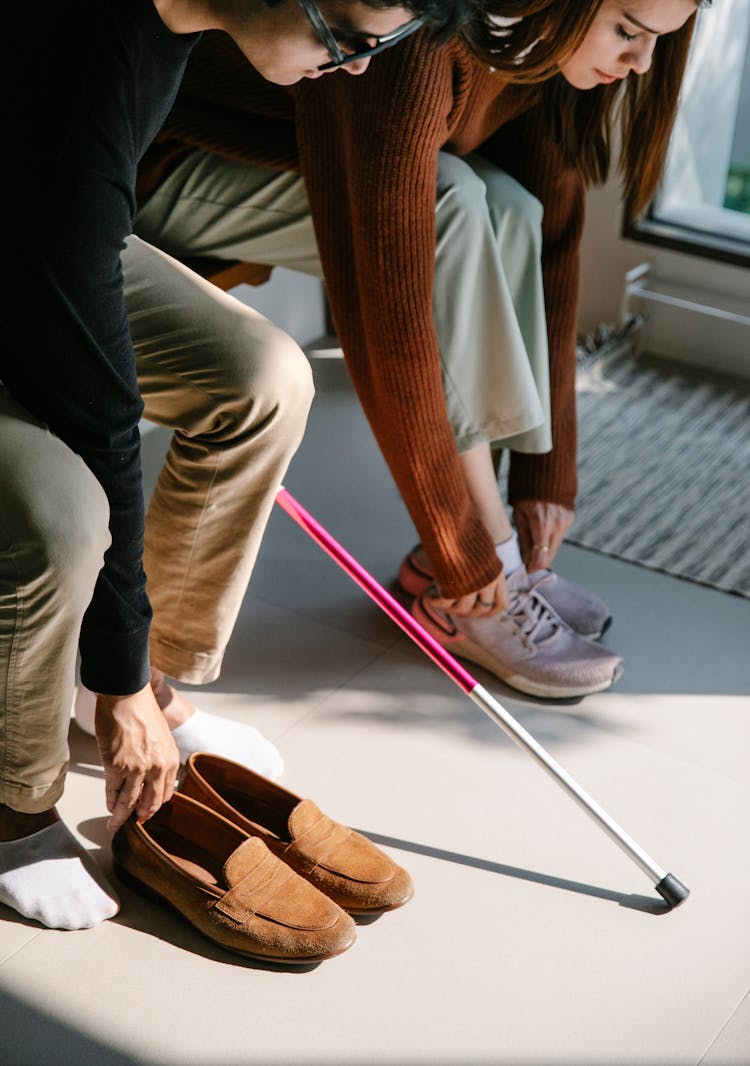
x,y
464,564
540,477
116,664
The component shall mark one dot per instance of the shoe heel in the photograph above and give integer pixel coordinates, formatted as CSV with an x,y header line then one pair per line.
x,y
136,885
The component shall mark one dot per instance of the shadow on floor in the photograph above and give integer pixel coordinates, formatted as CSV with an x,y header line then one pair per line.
x,y
32,1038
645,904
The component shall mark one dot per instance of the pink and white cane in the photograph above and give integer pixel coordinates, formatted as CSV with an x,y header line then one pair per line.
x,y
666,884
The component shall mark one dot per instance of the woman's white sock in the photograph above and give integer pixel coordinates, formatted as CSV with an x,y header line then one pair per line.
x,y
509,554
51,878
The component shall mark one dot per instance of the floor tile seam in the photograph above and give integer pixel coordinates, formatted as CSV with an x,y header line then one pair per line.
x,y
723,1028
13,954
671,757
324,698
402,641
312,704
326,625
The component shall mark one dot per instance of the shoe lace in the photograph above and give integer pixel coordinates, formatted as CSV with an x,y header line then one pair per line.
x,y
532,615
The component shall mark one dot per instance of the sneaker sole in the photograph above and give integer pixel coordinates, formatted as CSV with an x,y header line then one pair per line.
x,y
474,653
465,648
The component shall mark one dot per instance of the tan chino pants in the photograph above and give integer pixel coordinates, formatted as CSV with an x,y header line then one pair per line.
x,y
236,392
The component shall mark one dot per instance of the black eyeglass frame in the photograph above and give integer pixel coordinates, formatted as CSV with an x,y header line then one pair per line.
x,y
339,57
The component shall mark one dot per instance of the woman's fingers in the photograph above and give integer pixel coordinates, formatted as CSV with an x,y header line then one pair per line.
x,y
484,603
541,530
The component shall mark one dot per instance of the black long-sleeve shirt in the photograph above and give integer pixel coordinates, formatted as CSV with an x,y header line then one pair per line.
x,y
84,87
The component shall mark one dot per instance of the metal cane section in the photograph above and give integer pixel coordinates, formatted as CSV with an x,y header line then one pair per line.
x,y
497,712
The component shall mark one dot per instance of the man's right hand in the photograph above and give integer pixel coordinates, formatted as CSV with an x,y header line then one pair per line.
x,y
140,757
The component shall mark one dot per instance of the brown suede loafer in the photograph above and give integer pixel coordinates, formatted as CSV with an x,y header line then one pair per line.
x,y
343,864
229,885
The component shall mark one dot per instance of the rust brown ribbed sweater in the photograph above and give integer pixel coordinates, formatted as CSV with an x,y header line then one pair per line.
x,y
368,149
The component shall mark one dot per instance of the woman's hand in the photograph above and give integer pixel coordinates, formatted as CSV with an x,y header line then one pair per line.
x,y
484,603
541,529
140,757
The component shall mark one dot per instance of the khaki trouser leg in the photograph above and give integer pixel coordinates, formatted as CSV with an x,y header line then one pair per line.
x,y
216,207
489,307
53,535
488,296
236,391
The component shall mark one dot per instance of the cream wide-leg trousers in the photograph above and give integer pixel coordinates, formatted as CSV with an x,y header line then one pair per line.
x,y
488,294
236,392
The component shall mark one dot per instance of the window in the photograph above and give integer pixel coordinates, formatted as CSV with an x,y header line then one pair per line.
x,y
704,201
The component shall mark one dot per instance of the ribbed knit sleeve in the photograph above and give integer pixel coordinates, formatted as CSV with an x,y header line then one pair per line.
x,y
525,149
374,213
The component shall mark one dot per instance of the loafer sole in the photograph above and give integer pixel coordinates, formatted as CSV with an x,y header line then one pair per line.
x,y
148,892
373,912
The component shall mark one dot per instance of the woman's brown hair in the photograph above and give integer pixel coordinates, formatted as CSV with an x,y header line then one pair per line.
x,y
583,122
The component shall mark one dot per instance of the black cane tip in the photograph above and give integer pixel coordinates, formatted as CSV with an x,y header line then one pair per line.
x,y
672,890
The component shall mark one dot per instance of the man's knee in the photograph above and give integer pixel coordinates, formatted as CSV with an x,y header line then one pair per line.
x,y
60,536
269,374
285,373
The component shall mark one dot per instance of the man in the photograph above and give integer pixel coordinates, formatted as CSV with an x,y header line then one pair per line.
x,y
103,76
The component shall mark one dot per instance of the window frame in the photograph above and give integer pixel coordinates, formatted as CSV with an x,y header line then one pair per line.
x,y
680,238
685,182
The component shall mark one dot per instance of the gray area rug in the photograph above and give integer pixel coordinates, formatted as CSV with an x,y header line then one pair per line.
x,y
664,470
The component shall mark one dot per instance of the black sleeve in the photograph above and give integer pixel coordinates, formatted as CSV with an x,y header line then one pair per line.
x,y
66,355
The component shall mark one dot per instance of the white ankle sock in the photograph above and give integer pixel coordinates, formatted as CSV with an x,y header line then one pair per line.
x,y
233,740
204,732
509,554
51,878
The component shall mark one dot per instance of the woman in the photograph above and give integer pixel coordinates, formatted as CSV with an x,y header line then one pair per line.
x,y
434,357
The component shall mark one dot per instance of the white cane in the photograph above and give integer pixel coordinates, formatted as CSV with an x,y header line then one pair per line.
x,y
666,884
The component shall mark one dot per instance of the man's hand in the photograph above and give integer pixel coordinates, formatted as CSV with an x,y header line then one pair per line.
x,y
140,757
541,528
488,601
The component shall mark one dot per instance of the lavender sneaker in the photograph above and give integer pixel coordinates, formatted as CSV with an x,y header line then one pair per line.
x,y
583,611
528,646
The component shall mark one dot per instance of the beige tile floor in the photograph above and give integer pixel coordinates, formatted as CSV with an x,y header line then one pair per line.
x,y
531,939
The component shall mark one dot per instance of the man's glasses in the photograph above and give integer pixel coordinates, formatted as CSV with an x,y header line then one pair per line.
x,y
338,56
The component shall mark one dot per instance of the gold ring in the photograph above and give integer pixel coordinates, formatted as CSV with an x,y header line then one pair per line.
x,y
541,547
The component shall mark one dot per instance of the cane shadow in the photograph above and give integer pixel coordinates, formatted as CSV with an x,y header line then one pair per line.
x,y
631,901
